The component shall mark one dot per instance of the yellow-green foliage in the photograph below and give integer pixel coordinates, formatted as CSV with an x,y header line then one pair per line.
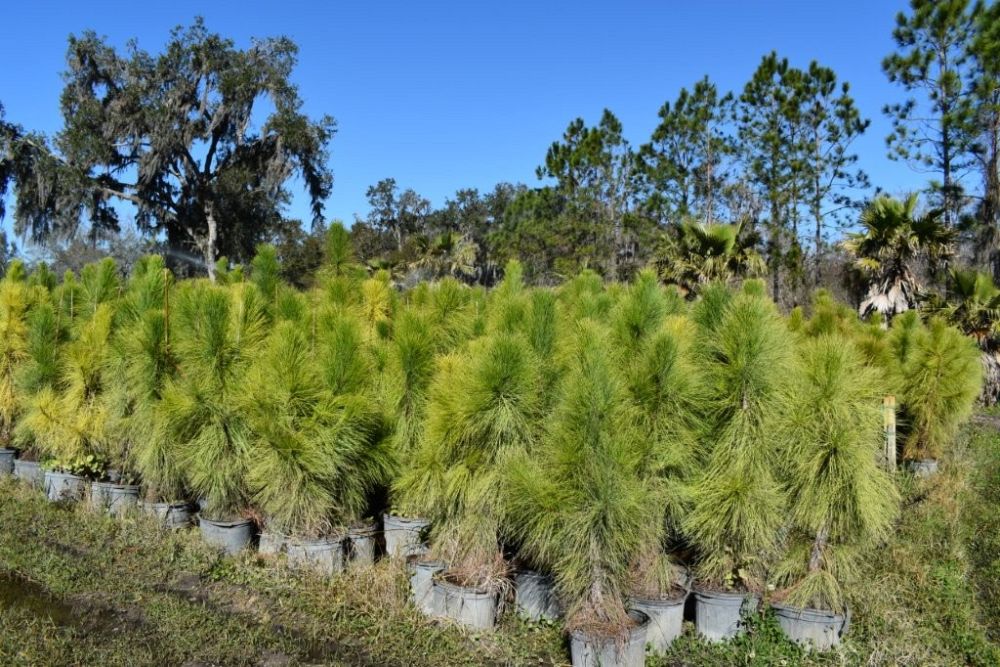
x,y
314,452
941,378
841,502
14,302
580,504
590,426
738,503
215,331
70,419
483,407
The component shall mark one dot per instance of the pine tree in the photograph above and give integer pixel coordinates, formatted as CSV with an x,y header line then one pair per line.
x,y
738,504
841,502
936,132
580,505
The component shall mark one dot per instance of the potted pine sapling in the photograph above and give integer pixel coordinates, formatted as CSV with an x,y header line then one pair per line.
x,y
534,588
483,406
842,502
941,377
139,365
667,394
580,504
538,321
451,312
341,272
403,388
39,372
99,289
68,420
214,331
315,454
738,504
585,296
14,303
507,304
420,488
345,362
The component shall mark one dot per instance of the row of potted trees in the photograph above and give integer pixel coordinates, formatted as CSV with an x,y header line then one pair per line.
x,y
728,447
605,447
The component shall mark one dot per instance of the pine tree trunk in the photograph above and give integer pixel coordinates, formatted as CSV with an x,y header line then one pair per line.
x,y
211,241
819,544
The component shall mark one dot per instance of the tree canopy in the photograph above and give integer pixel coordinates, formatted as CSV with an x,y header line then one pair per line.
x,y
180,136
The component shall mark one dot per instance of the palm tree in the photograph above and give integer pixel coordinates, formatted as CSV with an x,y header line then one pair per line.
x,y
447,254
706,252
894,237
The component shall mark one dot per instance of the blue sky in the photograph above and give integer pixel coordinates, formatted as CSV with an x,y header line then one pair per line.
x,y
444,95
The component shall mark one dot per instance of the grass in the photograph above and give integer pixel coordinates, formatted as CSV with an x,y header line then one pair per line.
x,y
131,594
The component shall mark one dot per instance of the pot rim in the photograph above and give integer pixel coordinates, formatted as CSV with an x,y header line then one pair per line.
x,y
224,524
329,540
405,520
804,613
661,602
466,591
117,487
68,475
641,619
433,564
723,595
365,530
179,504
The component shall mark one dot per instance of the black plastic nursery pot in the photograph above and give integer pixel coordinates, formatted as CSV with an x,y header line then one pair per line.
x,y
231,537
402,534
719,615
590,651
535,596
666,619
469,606
7,461
30,472
170,515
64,486
422,573
812,628
324,555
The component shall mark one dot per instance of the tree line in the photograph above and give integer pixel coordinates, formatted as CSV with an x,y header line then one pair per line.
x,y
758,181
